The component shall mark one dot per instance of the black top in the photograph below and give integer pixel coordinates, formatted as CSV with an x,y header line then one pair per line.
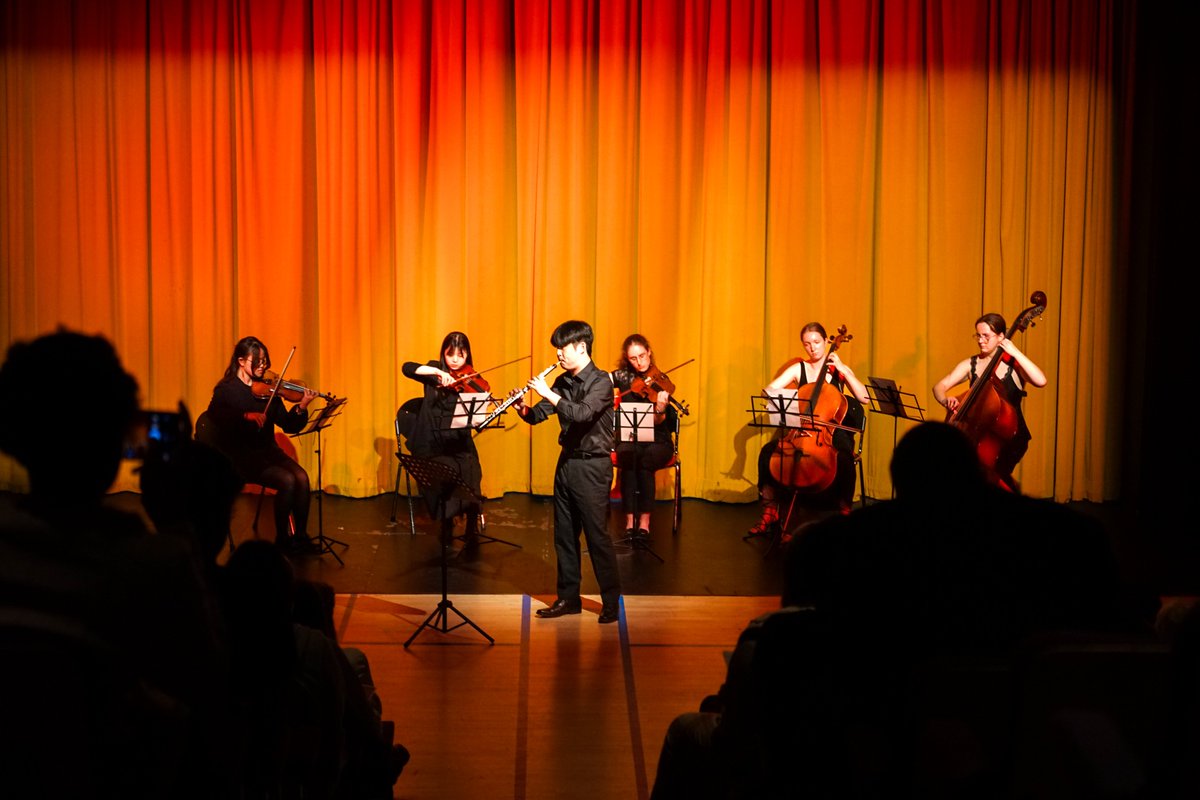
x,y
432,434
1009,391
1013,394
232,400
585,412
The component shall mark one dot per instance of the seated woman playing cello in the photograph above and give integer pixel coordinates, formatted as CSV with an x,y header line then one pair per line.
x,y
637,377
1014,371
432,436
819,359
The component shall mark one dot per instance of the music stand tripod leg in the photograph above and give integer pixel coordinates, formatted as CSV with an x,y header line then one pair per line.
x,y
482,538
442,623
324,543
428,474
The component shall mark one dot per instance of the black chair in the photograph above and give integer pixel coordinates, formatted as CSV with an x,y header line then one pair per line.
x,y
406,418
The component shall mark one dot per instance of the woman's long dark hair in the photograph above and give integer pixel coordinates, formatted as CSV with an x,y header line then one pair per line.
x,y
247,347
630,341
455,340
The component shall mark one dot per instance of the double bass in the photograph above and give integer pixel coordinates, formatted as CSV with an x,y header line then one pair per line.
x,y
989,420
805,459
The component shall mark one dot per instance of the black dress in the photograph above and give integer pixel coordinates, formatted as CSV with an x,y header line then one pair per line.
x,y
255,455
432,438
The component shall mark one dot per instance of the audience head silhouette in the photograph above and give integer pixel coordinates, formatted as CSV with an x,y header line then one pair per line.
x,y
68,454
935,460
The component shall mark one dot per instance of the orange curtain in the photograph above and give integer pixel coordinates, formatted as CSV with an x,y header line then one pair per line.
x,y
359,177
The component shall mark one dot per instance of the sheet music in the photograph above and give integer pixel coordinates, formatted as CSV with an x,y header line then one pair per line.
x,y
783,407
887,396
322,417
470,409
635,422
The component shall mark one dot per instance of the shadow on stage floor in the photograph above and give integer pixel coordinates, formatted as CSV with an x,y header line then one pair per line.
x,y
706,557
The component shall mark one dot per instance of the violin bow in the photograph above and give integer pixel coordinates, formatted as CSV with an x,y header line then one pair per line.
x,y
675,401
279,379
677,366
489,369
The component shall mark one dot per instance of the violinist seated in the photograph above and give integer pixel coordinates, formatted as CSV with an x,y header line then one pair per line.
x,y
245,414
639,379
839,492
433,436
1014,372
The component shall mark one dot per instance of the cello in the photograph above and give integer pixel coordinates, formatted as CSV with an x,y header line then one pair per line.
x,y
987,418
805,459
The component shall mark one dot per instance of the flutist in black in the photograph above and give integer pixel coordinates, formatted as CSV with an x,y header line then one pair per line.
x,y
582,398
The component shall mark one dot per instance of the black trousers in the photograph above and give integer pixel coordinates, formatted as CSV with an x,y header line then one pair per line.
x,y
271,467
581,505
638,462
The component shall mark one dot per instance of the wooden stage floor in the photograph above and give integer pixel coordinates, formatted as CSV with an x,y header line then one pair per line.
x,y
562,708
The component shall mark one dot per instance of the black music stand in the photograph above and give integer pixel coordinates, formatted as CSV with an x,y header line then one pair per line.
x,y
888,399
783,412
317,423
469,411
434,476
631,417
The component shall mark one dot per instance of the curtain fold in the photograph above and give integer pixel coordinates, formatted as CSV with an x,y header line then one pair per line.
x,y
356,178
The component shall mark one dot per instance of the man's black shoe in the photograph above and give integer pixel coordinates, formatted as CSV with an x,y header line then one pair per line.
x,y
609,614
560,609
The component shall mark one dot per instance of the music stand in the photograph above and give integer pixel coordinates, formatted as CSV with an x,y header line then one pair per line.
x,y
634,422
434,476
888,399
317,423
470,409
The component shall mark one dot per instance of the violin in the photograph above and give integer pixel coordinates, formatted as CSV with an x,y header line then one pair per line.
x,y
984,415
805,458
652,382
467,380
472,380
292,391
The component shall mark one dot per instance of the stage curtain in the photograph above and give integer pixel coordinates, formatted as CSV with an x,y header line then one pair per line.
x,y
356,178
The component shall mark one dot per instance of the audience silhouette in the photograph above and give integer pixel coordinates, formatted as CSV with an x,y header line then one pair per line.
x,y
885,674
135,666
114,670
